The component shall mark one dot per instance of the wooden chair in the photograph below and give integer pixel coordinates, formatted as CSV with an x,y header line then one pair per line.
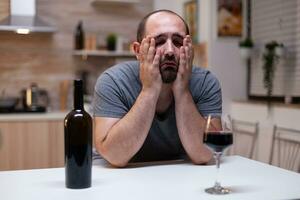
x,y
245,136
285,150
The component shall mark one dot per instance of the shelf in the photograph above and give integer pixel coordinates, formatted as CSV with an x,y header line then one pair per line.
x,y
115,2
103,53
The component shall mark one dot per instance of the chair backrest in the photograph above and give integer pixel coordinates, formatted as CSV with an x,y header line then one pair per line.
x,y
285,150
245,136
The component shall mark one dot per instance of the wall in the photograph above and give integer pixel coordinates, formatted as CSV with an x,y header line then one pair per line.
x,y
176,6
47,58
277,20
226,63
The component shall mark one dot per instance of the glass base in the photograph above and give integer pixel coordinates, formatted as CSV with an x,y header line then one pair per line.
x,y
217,189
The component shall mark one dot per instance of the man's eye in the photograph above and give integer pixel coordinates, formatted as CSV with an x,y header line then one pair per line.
x,y
159,42
178,43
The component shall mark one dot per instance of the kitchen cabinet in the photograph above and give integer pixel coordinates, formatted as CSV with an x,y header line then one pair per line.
x,y
29,144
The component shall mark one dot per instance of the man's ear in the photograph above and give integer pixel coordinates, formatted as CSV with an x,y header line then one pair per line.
x,y
136,49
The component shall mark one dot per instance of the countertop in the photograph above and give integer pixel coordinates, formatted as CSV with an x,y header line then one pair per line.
x,y
49,116
248,179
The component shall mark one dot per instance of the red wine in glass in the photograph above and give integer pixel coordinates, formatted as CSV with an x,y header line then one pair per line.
x,y
218,141
217,137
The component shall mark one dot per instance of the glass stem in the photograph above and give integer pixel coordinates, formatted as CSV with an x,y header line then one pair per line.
x,y
217,156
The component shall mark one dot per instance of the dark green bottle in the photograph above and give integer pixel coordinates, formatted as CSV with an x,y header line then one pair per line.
x,y
78,143
79,37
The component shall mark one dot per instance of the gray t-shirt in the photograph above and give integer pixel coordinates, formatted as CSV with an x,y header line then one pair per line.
x,y
117,89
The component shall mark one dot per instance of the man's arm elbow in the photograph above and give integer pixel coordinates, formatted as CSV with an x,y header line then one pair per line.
x,y
202,160
118,164
115,161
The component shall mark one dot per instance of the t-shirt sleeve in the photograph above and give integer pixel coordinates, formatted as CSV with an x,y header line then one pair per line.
x,y
107,101
210,99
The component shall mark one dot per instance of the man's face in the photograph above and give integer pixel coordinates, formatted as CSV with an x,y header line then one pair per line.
x,y
168,30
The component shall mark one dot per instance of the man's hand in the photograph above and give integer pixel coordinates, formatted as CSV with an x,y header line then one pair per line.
x,y
181,83
149,65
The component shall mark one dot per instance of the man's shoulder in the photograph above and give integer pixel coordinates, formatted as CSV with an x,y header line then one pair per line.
x,y
124,72
202,79
199,70
124,67
199,73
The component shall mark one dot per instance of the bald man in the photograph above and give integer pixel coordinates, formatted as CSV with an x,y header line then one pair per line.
x,y
154,108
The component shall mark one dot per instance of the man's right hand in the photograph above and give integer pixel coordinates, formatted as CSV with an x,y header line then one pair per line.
x,y
149,66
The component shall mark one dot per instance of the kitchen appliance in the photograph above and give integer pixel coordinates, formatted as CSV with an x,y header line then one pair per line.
x,y
34,98
23,19
8,104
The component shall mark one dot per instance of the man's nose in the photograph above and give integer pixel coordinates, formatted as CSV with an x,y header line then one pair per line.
x,y
169,48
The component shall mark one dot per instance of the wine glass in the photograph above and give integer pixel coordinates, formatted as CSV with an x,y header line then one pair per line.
x,y
217,137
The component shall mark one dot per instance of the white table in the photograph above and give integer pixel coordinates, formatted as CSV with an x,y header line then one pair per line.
x,y
247,178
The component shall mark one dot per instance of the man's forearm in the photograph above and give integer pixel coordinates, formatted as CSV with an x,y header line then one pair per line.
x,y
190,125
127,136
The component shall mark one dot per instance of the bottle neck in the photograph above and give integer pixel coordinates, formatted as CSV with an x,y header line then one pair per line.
x,y
78,95
79,28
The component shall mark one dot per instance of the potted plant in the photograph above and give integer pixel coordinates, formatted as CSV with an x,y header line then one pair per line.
x,y
270,59
246,46
111,41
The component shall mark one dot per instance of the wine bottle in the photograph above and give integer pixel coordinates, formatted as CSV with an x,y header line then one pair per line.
x,y
78,143
79,36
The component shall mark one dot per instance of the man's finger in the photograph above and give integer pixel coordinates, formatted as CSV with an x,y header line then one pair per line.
x,y
182,60
151,51
156,58
190,44
189,50
145,46
186,50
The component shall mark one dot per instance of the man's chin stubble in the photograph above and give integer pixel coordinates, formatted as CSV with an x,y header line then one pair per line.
x,y
168,76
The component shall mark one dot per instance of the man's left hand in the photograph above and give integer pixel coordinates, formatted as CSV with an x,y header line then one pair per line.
x,y
181,84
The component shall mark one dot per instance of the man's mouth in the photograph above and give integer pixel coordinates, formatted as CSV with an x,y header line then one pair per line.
x,y
169,65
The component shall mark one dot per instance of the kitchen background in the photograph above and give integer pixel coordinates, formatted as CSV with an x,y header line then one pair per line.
x,y
48,59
